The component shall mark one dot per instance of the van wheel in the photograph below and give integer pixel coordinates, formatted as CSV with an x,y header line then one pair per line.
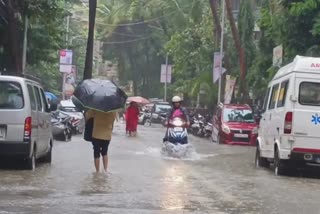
x,y
31,161
48,157
278,164
260,161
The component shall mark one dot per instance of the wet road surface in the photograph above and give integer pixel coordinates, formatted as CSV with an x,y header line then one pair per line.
x,y
216,179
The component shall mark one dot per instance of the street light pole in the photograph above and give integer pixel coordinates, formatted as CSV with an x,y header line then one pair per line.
x,y
221,49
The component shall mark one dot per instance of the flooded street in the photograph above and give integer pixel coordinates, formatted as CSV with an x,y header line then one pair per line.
x,y
216,179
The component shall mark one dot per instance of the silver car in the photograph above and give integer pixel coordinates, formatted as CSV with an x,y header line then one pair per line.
x,y
25,127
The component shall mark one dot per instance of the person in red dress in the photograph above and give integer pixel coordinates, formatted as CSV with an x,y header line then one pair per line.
x,y
132,117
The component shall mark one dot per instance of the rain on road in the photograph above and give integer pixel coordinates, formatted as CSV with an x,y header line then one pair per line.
x,y
216,179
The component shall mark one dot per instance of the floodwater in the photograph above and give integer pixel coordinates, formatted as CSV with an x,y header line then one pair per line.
x,y
215,179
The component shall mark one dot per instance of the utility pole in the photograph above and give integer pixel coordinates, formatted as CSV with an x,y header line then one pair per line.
x,y
221,49
25,44
67,31
165,83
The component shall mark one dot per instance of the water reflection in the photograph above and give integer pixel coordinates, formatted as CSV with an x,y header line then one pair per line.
x,y
174,186
96,183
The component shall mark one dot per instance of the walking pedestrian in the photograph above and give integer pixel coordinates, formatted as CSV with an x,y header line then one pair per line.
x,y
132,117
101,135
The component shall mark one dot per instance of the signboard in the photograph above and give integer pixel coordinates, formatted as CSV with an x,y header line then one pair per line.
x,y
277,56
65,68
69,80
230,84
66,57
217,72
166,72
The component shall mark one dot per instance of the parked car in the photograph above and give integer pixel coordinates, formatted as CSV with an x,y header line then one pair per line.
x,y
77,117
159,112
25,127
234,124
289,133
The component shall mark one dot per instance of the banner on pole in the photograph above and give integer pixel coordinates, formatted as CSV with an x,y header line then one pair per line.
x,y
217,72
166,73
277,56
230,84
66,57
65,61
69,83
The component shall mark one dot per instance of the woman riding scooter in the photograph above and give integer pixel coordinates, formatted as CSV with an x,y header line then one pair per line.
x,y
177,111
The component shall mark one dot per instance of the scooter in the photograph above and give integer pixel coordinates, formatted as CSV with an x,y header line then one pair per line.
x,y
175,143
61,126
207,130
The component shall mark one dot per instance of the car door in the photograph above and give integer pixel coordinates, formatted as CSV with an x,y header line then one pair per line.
x,y
42,145
306,115
270,118
279,113
47,120
263,121
34,114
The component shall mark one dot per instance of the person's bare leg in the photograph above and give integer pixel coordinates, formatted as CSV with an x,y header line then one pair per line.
x,y
97,164
105,162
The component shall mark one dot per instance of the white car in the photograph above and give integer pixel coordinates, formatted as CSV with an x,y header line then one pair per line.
x,y
289,133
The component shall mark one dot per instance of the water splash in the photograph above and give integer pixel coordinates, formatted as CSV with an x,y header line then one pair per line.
x,y
181,152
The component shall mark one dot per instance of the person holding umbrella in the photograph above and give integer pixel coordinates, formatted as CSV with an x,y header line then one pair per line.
x,y
132,117
100,99
101,135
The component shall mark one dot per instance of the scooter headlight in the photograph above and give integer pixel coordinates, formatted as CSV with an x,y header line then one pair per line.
x,y
177,122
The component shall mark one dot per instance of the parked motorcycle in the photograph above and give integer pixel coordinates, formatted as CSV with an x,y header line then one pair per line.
x,y
207,130
145,118
61,126
194,126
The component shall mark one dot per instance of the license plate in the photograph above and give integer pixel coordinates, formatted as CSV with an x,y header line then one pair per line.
x,y
178,129
2,134
241,135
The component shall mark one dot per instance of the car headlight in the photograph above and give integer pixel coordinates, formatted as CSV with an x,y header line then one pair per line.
x,y
255,130
226,129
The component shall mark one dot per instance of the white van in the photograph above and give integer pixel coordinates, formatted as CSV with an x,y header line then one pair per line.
x,y
25,126
289,133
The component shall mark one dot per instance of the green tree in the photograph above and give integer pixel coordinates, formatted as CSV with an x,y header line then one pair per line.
x,y
246,22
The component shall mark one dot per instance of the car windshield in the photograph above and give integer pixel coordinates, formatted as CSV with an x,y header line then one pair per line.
x,y
11,96
238,115
163,108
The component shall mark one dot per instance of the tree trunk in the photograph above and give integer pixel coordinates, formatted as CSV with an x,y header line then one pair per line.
x,y
87,74
239,48
15,60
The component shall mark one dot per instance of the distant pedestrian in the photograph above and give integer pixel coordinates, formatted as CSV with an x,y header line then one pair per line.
x,y
101,135
132,117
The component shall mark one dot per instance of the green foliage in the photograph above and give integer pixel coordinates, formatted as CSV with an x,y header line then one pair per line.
x,y
46,35
295,25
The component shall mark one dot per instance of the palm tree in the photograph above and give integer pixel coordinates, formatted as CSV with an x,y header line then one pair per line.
x,y
89,54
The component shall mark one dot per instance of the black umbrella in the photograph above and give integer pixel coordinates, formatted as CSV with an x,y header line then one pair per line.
x,y
101,95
